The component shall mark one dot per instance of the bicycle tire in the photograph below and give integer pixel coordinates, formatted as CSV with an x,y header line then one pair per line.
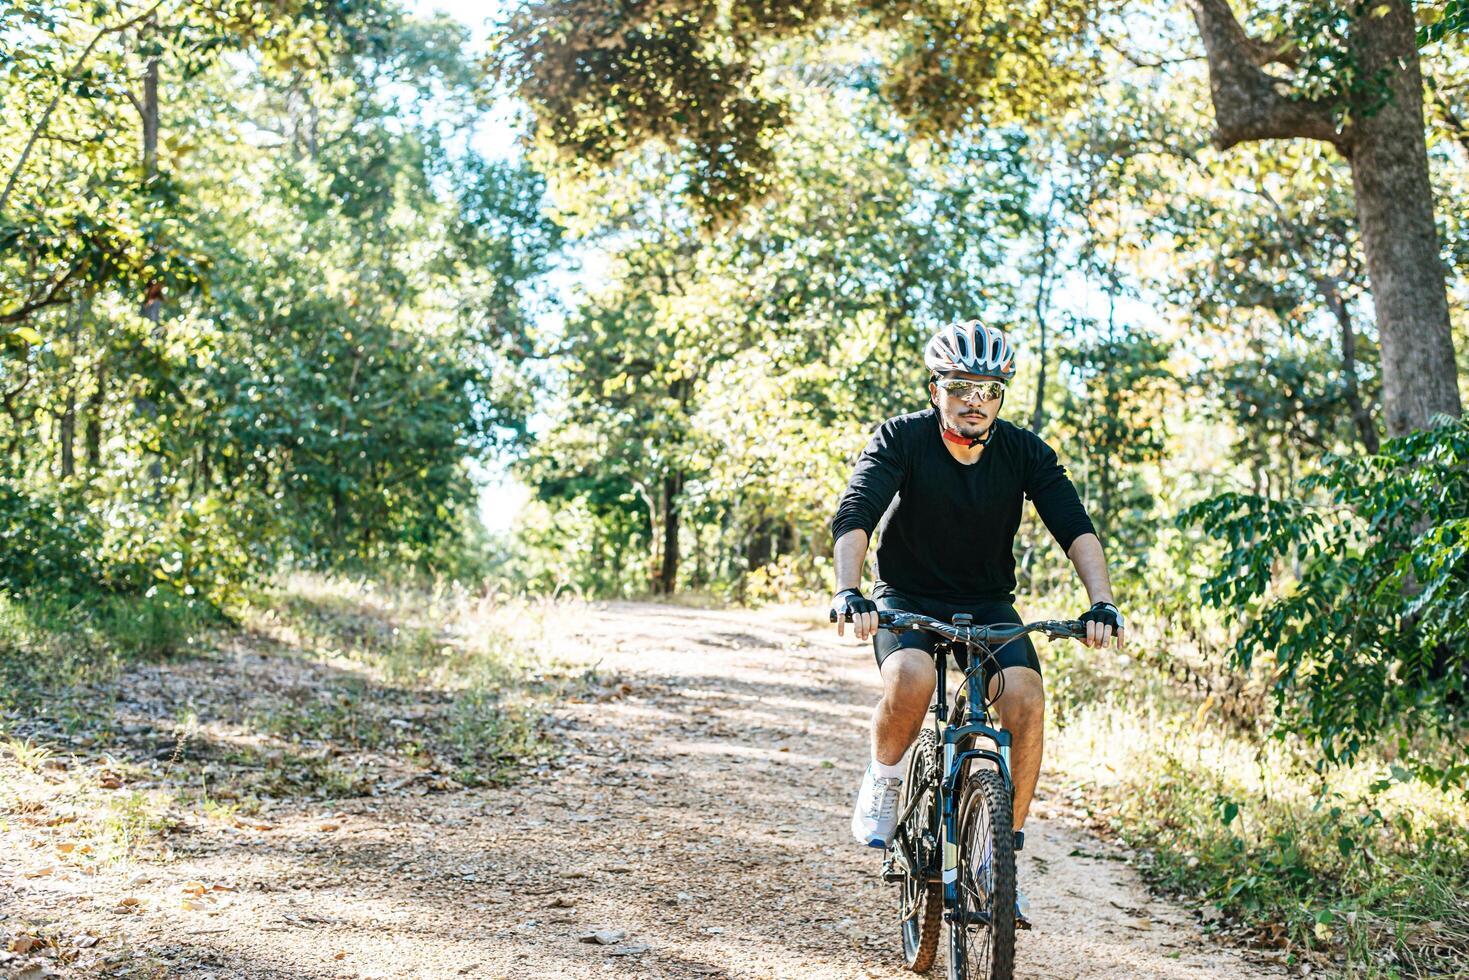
x,y
920,899
982,923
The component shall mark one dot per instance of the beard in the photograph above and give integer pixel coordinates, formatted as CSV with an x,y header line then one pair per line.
x,y
967,421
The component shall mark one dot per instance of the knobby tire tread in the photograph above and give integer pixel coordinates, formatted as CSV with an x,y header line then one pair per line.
x,y
931,918
985,787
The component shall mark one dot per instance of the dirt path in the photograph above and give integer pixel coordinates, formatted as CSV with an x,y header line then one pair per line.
x,y
699,823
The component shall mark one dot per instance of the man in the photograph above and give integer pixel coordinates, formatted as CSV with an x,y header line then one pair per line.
x,y
958,473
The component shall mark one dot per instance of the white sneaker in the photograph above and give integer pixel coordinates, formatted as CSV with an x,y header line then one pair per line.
x,y
876,815
1022,910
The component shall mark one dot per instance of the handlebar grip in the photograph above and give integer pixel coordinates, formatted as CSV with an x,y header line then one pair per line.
x,y
884,617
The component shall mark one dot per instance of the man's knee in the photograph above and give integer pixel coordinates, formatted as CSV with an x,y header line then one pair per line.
x,y
909,676
1022,696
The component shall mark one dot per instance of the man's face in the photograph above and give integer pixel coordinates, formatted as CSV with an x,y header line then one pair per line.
x,y
971,415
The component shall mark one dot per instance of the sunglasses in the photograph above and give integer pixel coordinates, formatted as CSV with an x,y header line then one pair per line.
x,y
959,388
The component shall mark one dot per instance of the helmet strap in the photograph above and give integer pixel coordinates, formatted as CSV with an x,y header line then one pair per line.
x,y
954,437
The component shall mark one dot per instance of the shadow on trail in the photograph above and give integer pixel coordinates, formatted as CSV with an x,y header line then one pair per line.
x,y
700,812
644,828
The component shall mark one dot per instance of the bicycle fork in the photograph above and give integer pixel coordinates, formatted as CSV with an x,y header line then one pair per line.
x,y
954,761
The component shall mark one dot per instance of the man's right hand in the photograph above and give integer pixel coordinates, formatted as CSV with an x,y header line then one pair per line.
x,y
862,609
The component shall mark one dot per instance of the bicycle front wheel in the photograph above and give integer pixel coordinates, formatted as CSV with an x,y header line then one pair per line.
x,y
982,923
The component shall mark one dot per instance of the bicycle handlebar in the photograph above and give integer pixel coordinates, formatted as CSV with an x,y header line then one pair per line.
x,y
897,621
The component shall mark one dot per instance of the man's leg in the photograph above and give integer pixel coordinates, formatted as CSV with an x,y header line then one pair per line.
x,y
908,679
1022,710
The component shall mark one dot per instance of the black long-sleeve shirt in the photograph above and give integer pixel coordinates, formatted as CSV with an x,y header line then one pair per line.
x,y
950,535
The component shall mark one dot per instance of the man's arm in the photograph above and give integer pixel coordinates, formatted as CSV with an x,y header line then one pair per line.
x,y
1091,566
849,555
875,481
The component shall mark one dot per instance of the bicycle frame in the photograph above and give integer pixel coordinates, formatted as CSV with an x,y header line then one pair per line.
x,y
953,736
956,753
962,740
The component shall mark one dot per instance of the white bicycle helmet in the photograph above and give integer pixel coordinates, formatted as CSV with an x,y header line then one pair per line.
x,y
971,347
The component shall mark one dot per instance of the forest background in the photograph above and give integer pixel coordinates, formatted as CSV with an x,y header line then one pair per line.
x,y
280,283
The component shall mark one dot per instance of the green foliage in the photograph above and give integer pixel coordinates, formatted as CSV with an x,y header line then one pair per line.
x,y
1444,20
1114,414
713,386
1368,632
277,334
43,539
606,81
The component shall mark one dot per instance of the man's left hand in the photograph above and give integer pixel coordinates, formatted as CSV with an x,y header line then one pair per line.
x,y
1103,622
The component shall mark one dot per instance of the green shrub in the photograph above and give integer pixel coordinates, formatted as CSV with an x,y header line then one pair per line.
x,y
1370,632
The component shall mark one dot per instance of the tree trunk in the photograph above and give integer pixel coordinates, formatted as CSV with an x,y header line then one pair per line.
x,y
1042,301
757,550
1384,143
1389,160
153,296
66,433
93,433
1361,417
668,567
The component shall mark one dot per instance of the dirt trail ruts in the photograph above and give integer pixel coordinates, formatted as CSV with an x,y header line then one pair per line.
x,y
698,821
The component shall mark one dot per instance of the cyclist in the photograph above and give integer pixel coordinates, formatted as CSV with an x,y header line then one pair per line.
x,y
945,488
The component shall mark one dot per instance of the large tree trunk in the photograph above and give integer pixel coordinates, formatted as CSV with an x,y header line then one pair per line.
x,y
1042,302
1389,161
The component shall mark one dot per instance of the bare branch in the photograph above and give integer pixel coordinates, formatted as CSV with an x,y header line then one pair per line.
x,y
1249,104
1138,60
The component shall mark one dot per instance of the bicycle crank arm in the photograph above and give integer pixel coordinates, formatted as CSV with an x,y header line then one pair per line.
x,y
966,917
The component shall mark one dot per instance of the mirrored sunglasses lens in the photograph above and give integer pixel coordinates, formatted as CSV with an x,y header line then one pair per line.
x,y
987,390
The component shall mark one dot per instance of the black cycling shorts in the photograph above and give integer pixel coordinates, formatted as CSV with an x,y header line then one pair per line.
x,y
1016,653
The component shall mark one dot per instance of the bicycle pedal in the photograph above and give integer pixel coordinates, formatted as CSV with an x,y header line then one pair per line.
x,y
1019,840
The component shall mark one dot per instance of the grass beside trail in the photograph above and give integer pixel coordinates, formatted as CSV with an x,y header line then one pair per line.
x,y
1358,872
125,720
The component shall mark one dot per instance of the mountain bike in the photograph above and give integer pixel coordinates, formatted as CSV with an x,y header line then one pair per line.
x,y
953,853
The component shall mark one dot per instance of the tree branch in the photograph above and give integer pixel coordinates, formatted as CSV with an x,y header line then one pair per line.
x,y
70,76
1249,104
52,297
1138,60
